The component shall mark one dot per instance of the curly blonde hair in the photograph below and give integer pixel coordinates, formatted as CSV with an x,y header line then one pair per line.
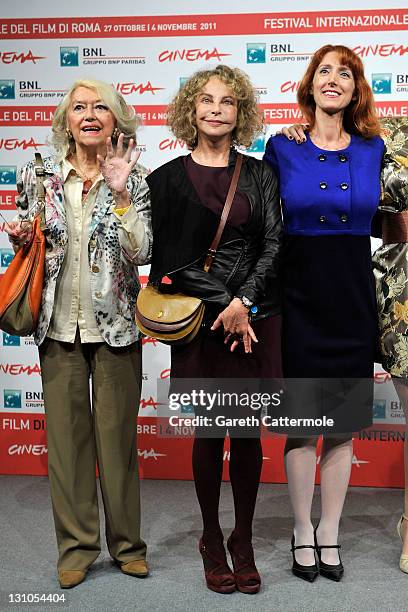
x,y
181,111
126,120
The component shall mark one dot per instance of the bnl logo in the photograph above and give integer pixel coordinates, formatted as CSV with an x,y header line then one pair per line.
x,y
381,82
6,255
258,145
8,175
379,406
69,56
7,90
187,409
12,398
9,340
256,53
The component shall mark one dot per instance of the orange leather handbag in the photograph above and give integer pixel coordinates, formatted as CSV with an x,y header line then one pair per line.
x,y
22,284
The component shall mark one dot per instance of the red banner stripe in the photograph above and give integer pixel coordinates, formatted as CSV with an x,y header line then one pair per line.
x,y
155,114
205,25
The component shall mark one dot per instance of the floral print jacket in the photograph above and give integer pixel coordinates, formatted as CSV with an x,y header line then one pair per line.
x,y
391,260
114,289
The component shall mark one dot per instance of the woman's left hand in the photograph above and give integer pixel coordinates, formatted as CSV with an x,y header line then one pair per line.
x,y
117,165
234,319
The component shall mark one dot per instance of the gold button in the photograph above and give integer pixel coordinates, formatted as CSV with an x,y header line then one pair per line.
x,y
98,294
95,268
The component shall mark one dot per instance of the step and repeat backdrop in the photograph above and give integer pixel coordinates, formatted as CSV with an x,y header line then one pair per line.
x,y
146,57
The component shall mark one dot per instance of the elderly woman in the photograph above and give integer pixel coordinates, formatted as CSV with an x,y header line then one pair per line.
x,y
97,231
330,188
213,111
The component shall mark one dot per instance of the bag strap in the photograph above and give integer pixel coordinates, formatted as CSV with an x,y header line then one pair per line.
x,y
40,174
225,213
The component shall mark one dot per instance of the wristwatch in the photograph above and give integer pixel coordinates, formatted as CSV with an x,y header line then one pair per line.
x,y
246,301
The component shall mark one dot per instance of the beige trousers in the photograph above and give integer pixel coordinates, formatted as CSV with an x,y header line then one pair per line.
x,y
82,433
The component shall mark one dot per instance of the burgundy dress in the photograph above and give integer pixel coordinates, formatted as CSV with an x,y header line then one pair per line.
x,y
207,356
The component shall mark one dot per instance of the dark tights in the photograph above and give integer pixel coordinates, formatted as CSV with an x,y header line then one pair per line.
x,y
245,471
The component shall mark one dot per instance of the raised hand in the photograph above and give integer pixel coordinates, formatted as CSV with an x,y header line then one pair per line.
x,y
117,165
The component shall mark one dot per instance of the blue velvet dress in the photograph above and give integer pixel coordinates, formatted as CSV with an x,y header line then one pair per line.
x,y
329,198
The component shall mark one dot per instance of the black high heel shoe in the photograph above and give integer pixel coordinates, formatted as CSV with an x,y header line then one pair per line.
x,y
307,572
332,572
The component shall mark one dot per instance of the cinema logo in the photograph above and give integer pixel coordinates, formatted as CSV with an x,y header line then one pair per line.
x,y
289,86
11,144
14,57
138,88
96,56
17,369
170,144
192,55
149,454
148,403
28,449
387,50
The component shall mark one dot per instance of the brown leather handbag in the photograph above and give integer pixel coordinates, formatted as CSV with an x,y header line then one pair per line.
x,y
175,318
22,284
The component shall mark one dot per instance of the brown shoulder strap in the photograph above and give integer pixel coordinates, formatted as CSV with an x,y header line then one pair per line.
x,y
40,174
225,213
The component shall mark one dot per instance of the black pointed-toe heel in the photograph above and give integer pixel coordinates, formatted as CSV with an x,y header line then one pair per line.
x,y
306,572
332,572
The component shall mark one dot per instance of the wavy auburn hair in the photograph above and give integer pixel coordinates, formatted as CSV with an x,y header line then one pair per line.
x,y
359,117
181,111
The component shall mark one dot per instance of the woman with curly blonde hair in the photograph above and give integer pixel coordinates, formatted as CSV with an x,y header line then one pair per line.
x,y
213,111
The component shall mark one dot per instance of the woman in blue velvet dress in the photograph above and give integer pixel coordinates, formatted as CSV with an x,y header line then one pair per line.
x,y
330,189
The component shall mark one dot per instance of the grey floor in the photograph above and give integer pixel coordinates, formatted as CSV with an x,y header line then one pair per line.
x,y
171,527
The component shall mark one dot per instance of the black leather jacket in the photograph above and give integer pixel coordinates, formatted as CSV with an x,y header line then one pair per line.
x,y
247,261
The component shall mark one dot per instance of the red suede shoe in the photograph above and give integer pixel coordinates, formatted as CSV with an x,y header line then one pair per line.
x,y
247,577
218,574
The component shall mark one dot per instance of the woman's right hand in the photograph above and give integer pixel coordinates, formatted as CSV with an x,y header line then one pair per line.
x,y
19,233
296,132
237,328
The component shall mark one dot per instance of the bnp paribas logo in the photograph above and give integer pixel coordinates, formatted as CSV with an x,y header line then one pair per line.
x,y
6,255
69,57
258,145
12,398
256,53
8,175
381,82
7,89
9,340
379,408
